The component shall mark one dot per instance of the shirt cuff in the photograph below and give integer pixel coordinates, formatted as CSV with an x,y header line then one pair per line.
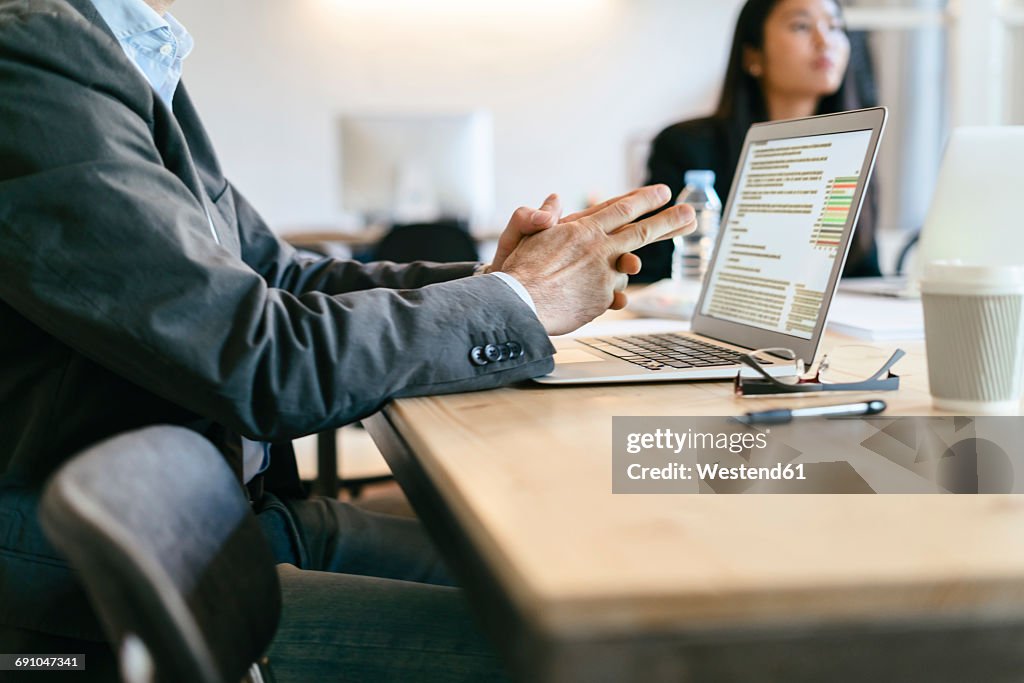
x,y
518,288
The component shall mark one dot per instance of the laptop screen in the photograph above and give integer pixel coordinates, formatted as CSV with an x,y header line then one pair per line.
x,y
792,201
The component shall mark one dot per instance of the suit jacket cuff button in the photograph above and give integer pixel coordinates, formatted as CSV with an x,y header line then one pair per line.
x,y
477,357
492,353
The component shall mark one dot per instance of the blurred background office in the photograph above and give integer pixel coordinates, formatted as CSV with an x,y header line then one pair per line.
x,y
539,96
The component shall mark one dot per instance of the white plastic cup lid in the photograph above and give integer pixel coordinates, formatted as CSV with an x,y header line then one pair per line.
x,y
954,277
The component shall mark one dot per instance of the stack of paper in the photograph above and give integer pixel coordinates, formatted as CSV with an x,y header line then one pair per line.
x,y
876,318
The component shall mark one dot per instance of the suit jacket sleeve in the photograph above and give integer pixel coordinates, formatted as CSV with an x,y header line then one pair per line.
x,y
108,250
283,267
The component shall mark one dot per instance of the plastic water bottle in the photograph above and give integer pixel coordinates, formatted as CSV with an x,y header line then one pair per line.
x,y
693,252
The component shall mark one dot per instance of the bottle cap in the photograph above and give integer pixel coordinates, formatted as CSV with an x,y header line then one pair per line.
x,y
699,177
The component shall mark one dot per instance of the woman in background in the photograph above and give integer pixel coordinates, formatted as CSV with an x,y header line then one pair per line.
x,y
789,59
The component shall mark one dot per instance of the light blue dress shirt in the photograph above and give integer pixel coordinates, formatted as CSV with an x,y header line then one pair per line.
x,y
156,44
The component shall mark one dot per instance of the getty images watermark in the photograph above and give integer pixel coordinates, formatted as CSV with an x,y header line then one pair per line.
x,y
852,455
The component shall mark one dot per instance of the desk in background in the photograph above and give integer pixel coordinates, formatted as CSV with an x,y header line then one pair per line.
x,y
576,584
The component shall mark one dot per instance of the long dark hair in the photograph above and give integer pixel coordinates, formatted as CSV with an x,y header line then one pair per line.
x,y
742,102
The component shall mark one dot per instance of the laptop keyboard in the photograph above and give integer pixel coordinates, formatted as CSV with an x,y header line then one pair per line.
x,y
664,351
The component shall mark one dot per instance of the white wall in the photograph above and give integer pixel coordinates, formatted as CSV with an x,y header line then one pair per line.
x,y
569,82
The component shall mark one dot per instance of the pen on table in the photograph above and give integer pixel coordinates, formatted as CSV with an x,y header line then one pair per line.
x,y
782,416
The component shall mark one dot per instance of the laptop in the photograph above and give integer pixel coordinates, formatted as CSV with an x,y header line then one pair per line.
x,y
784,236
973,214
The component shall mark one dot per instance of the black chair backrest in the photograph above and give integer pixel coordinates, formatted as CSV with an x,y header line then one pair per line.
x,y
908,247
164,541
442,242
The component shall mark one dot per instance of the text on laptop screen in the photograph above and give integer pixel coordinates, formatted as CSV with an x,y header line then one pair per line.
x,y
784,232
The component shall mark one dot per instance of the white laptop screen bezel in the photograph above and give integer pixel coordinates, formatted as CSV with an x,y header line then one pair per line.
x,y
753,337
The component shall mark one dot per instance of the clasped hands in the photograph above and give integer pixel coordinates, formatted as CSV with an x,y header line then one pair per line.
x,y
577,267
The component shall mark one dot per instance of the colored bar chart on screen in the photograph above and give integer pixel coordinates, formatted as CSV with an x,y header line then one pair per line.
x,y
828,229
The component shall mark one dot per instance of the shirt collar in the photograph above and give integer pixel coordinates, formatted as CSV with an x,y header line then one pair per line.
x,y
129,19
182,36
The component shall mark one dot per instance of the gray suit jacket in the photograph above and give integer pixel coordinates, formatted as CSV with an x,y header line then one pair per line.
x,y
119,309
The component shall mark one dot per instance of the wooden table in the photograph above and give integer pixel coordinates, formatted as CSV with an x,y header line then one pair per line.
x,y
577,584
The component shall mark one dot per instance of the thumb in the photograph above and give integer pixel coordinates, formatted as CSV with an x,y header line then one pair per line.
x,y
545,217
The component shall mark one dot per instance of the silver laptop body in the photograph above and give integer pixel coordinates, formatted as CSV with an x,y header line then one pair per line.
x,y
784,236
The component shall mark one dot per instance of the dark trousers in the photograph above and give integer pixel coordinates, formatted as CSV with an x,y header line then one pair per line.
x,y
365,598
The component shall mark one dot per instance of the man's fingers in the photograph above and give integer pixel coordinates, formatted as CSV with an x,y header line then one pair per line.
x,y
631,207
679,220
552,205
516,228
539,220
618,289
629,264
521,216
597,207
524,222
545,217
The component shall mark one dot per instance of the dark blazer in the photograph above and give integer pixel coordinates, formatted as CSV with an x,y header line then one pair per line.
x,y
118,307
709,143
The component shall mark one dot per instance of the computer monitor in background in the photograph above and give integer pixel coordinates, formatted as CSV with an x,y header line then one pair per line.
x,y
975,213
418,167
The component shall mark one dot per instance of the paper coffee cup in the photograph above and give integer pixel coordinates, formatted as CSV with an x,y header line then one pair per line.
x,y
974,336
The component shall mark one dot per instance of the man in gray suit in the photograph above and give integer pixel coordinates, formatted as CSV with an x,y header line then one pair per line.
x,y
137,286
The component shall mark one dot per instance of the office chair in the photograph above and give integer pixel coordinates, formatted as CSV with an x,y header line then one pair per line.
x,y
905,251
445,241
171,556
